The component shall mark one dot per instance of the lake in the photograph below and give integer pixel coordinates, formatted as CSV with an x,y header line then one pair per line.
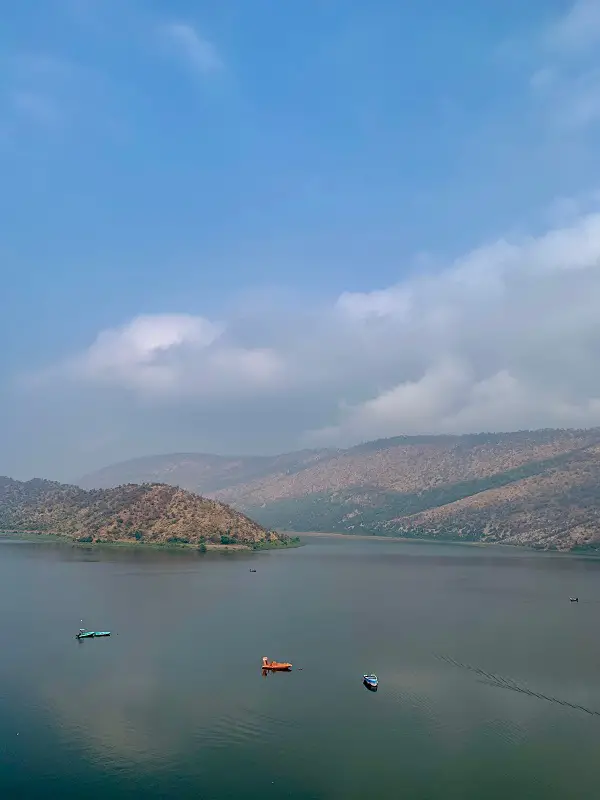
x,y
489,676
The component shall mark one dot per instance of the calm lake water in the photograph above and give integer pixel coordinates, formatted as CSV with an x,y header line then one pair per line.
x,y
174,703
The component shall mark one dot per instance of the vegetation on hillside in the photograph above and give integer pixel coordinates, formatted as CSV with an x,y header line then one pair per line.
x,y
551,504
369,508
528,487
149,513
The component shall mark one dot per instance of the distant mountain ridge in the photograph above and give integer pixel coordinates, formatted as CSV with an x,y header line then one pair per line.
x,y
194,470
146,514
537,488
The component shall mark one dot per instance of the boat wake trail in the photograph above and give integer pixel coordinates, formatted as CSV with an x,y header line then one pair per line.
x,y
501,682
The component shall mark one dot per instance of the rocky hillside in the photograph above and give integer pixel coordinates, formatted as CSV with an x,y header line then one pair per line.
x,y
150,513
531,487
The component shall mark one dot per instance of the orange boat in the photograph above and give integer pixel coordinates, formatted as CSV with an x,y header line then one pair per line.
x,y
282,665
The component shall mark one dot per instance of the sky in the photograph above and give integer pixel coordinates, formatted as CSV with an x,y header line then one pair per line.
x,y
244,227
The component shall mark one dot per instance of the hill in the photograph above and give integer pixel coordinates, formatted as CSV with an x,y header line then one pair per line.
x,y
537,488
200,471
148,514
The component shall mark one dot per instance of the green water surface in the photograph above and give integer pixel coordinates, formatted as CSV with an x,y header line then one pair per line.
x,y
489,676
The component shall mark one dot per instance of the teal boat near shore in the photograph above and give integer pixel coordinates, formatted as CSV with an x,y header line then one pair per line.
x,y
83,634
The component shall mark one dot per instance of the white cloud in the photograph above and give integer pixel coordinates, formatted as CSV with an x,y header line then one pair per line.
x,y
566,81
576,30
169,356
134,354
571,97
376,304
197,51
505,337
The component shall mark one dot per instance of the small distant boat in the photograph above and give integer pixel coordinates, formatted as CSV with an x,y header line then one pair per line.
x,y
574,599
252,570
275,665
371,681
83,634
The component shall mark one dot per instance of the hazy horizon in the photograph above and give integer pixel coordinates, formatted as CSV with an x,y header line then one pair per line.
x,y
235,229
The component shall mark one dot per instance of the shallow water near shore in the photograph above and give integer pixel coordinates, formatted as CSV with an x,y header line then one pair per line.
x,y
488,674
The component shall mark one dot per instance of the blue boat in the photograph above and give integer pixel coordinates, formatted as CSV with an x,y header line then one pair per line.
x,y
371,681
83,634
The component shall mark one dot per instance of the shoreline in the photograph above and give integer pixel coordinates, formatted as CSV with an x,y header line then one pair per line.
x,y
404,539
453,542
211,547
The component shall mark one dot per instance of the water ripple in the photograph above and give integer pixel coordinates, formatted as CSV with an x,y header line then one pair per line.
x,y
504,682
245,726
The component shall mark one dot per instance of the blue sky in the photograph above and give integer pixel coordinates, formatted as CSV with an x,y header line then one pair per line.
x,y
201,199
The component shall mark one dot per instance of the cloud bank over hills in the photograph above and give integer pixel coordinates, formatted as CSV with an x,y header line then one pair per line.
x,y
505,337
